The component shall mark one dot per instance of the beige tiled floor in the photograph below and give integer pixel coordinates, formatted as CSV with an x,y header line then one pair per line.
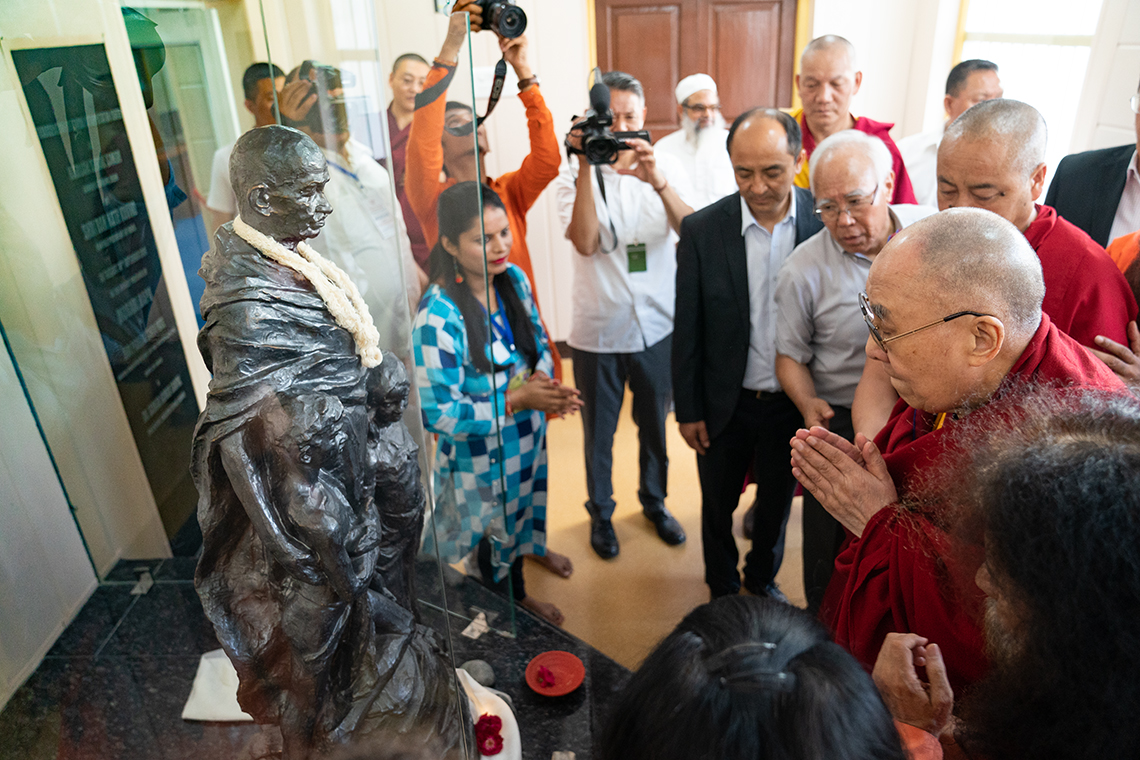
x,y
624,606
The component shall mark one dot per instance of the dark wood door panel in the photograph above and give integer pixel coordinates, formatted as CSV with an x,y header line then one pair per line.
x,y
647,44
745,50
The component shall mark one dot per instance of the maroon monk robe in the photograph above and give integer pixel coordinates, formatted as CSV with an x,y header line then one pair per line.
x,y
399,142
1085,293
894,578
904,190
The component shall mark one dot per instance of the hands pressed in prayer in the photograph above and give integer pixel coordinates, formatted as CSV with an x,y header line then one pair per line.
x,y
850,480
923,704
1123,360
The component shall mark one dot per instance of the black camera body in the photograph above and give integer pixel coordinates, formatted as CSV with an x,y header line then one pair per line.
x,y
329,113
600,145
503,17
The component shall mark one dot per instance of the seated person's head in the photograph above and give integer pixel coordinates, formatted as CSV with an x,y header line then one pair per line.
x,y
745,678
993,157
952,302
278,176
1053,493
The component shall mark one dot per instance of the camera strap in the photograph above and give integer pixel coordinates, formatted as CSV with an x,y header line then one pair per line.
x,y
492,101
609,214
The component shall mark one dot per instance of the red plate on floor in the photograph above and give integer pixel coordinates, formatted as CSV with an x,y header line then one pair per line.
x,y
555,673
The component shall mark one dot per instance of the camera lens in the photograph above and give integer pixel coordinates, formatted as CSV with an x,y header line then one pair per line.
x,y
510,20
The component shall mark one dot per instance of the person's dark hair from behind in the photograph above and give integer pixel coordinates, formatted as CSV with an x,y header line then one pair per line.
x,y
1054,494
747,678
458,210
790,125
960,73
254,74
408,57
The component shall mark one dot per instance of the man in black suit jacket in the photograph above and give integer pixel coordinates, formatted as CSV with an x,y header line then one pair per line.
x,y
729,404
1087,187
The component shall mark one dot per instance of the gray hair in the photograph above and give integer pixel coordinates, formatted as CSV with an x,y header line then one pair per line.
x,y
830,42
619,80
1016,125
853,141
983,263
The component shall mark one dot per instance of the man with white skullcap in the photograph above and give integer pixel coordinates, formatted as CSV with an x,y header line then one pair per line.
x,y
700,143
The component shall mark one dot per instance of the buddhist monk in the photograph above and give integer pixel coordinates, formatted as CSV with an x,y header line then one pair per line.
x,y
953,304
993,157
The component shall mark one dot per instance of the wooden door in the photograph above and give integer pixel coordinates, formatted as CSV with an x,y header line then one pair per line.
x,y
747,46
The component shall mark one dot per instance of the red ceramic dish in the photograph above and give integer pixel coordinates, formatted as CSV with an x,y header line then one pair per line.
x,y
567,670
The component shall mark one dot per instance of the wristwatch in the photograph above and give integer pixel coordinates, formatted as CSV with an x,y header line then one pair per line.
x,y
524,83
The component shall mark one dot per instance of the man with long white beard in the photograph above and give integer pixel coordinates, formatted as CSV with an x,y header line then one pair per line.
x,y
700,142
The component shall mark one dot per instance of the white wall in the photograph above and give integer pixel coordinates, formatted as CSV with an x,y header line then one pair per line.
x,y
45,576
1103,116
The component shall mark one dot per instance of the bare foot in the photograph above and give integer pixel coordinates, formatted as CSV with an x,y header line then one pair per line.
x,y
559,564
544,610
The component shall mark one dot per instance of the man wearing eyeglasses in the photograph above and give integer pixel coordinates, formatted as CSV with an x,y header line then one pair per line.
x,y
820,336
700,142
953,307
1099,190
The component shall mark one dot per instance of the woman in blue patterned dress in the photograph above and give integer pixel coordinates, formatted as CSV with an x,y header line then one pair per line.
x,y
487,397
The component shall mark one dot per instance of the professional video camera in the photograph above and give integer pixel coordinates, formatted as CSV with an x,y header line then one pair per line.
x,y
599,144
504,17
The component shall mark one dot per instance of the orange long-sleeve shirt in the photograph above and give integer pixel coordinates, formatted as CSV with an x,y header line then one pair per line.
x,y
518,189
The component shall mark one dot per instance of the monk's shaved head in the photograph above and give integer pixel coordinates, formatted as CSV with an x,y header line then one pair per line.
x,y
831,43
1017,126
972,259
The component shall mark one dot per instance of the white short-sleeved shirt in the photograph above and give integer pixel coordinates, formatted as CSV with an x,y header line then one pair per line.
x,y
617,311
920,156
818,321
221,196
709,168
366,237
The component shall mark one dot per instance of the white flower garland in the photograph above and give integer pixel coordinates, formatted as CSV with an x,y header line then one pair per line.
x,y
340,295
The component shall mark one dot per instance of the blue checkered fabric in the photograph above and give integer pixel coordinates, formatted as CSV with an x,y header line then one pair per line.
x,y
481,488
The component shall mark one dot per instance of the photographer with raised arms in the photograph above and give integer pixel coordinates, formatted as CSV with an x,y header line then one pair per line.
x,y
622,207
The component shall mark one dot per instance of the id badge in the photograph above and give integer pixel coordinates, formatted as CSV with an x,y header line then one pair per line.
x,y
637,259
381,213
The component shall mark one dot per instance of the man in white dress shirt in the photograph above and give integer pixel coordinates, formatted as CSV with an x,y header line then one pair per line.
x,y
623,221
700,142
969,83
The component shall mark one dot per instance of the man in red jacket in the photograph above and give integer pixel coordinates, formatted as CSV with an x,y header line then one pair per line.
x,y
971,284
827,81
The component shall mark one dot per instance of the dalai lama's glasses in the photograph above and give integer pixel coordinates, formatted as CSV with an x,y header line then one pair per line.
x,y
869,318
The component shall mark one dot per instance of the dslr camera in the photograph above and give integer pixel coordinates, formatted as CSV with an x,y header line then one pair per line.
x,y
600,145
329,113
503,17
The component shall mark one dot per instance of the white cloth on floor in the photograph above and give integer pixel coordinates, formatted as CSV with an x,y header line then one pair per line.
x,y
213,696
484,701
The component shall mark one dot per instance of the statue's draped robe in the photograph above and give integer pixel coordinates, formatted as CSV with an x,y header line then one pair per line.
x,y
268,335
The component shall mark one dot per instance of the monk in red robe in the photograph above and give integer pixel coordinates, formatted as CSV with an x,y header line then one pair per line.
x,y
971,284
827,81
993,157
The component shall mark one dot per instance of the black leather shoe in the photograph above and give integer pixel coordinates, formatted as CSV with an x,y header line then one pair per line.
x,y
772,591
668,528
602,538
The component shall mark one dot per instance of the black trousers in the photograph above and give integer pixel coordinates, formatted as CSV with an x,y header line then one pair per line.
x,y
822,533
512,584
758,435
601,378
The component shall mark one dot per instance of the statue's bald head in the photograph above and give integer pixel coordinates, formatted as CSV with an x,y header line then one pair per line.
x,y
970,259
1018,127
272,156
832,44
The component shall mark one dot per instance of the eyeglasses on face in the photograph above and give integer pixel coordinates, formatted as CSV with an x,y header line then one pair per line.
x,y
869,318
855,203
702,109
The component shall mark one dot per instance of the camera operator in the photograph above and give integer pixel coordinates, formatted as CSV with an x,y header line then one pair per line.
x,y
432,146
624,231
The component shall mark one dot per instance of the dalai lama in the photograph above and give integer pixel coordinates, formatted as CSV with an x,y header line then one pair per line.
x,y
953,304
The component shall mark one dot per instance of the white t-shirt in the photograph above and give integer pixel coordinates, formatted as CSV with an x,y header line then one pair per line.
x,y
221,196
708,165
366,237
616,310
